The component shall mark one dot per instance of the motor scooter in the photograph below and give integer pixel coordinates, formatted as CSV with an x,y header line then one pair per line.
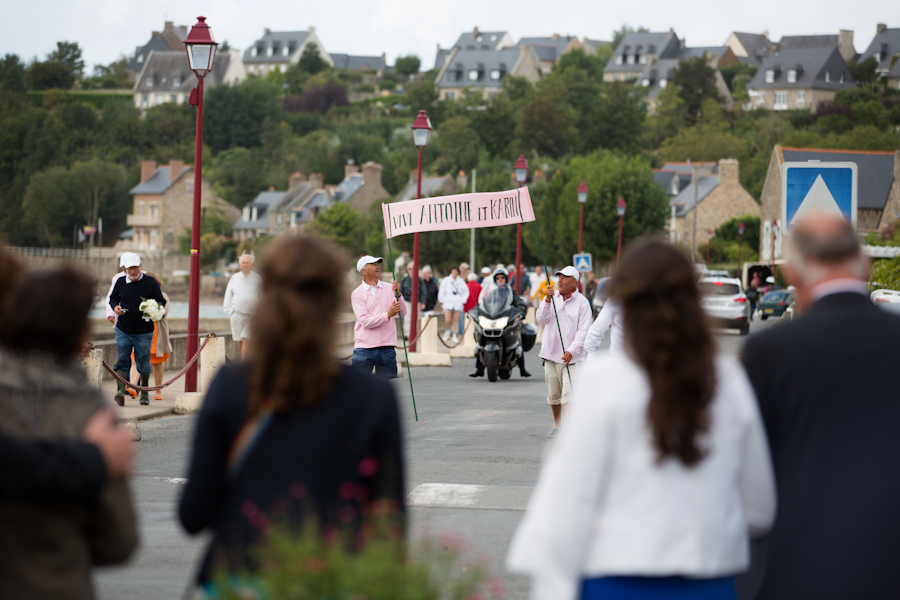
x,y
501,334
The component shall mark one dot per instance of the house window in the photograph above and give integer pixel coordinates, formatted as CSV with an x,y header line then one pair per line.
x,y
663,83
618,59
645,82
285,51
170,238
245,214
630,59
674,191
492,95
150,81
448,96
153,238
140,208
177,81
841,80
770,76
254,213
801,99
154,210
473,74
495,74
269,51
792,75
140,58
253,51
827,76
781,101
173,98
262,69
143,99
278,219
251,69
642,58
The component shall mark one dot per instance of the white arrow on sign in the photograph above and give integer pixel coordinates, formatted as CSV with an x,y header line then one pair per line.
x,y
817,200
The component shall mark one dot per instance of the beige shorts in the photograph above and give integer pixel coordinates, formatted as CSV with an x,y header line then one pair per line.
x,y
559,388
240,326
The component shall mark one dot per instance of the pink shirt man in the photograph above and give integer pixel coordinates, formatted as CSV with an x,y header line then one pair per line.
x,y
374,328
574,320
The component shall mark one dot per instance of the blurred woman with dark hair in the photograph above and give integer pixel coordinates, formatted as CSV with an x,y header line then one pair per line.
x,y
664,470
291,433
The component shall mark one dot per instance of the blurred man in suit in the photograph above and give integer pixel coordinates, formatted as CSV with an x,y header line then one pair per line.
x,y
828,397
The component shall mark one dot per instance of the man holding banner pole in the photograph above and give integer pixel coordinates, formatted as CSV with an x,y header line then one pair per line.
x,y
375,304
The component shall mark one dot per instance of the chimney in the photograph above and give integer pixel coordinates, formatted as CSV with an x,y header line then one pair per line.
x,y
555,36
682,43
671,31
316,181
350,168
372,174
170,25
312,30
845,38
461,181
266,31
475,32
148,168
765,34
879,29
176,168
271,188
296,179
728,171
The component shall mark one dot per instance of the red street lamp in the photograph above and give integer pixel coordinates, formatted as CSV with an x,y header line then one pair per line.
x,y
582,198
521,169
740,243
620,210
201,53
709,237
421,129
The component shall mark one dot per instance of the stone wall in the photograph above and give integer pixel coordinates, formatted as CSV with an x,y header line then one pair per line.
x,y
892,206
770,201
161,264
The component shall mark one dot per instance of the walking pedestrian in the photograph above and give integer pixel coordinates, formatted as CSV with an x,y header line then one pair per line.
x,y
241,297
662,468
452,295
563,345
406,292
319,428
464,275
753,293
485,274
160,346
829,403
49,548
474,293
431,293
134,331
111,316
375,304
610,316
535,279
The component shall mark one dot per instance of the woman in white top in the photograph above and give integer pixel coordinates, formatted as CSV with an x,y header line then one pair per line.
x,y
452,294
663,471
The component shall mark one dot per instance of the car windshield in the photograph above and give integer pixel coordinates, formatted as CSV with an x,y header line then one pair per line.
x,y
718,288
776,297
496,301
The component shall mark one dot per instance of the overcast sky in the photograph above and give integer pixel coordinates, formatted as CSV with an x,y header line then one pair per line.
x,y
106,29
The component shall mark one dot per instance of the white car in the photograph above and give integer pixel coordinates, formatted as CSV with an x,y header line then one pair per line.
x,y
724,301
887,299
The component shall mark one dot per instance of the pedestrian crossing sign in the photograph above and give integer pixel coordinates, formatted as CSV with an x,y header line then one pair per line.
x,y
582,262
810,187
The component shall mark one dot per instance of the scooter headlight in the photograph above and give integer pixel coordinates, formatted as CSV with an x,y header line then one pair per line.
x,y
486,323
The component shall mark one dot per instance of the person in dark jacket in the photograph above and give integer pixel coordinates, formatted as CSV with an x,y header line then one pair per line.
x,y
322,428
830,407
431,292
406,292
134,332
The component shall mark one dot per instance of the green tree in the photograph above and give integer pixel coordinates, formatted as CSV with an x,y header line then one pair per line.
x,y
708,140
422,95
548,124
407,65
96,187
458,144
496,125
167,125
49,74
864,73
619,119
311,60
669,118
234,115
342,225
696,82
47,209
12,74
69,54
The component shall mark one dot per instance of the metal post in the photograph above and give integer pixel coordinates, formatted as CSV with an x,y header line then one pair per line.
x,y
696,181
619,251
518,254
580,225
472,232
100,254
708,249
193,326
740,244
414,276
774,225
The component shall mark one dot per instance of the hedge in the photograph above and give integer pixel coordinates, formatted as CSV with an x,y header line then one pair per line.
x,y
96,99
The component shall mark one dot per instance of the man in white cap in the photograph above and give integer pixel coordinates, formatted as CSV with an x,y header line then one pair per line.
x,y
241,298
485,275
376,304
133,331
562,354
110,315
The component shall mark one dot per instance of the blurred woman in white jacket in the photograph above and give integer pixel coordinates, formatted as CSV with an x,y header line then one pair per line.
x,y
657,481
452,295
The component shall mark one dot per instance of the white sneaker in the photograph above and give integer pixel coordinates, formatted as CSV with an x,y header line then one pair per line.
x,y
454,339
446,335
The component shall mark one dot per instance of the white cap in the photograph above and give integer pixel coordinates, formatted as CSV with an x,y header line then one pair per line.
x,y
770,279
569,271
485,270
367,260
129,259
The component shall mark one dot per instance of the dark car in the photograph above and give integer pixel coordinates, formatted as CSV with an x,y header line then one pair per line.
x,y
774,304
601,294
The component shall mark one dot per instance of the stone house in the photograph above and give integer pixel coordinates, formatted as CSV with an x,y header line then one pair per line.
x,y
893,77
550,49
639,49
750,48
277,50
484,70
163,206
438,185
798,79
657,73
300,192
878,196
884,46
474,40
720,198
166,77
843,42
675,176
361,190
255,216
170,39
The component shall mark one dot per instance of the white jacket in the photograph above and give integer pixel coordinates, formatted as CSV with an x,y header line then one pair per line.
x,y
453,294
603,506
242,293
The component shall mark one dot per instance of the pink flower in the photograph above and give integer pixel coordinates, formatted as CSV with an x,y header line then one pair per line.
x,y
368,466
348,490
248,509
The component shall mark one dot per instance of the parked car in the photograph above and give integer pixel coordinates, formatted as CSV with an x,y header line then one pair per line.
x,y
775,303
601,294
725,302
887,299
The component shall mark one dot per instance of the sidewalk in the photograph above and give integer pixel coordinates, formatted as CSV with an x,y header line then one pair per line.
x,y
157,408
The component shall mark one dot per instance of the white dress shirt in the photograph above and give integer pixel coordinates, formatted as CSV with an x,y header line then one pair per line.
x,y
453,293
242,293
574,317
610,316
603,506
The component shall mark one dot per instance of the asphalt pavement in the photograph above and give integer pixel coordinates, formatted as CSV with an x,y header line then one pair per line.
x,y
473,457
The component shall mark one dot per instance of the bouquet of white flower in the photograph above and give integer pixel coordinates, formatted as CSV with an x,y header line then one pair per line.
x,y
151,310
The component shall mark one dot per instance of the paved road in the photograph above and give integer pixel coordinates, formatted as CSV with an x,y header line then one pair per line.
x,y
473,456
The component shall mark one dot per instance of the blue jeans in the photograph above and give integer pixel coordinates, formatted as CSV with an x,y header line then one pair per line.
x,y
658,588
383,358
140,342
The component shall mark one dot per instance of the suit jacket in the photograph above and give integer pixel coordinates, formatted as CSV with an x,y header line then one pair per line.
x,y
827,390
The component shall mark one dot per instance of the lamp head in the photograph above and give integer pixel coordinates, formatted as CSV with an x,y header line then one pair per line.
x,y
620,207
421,129
521,169
201,48
582,192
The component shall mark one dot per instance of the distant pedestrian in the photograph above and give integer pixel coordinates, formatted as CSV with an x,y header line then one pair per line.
x,y
160,346
828,397
319,428
464,275
111,316
535,279
452,295
485,274
610,316
662,468
241,297
753,293
474,294
573,312
134,331
406,292
375,305
431,293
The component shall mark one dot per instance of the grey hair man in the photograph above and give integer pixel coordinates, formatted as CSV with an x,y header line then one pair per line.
x,y
241,298
830,409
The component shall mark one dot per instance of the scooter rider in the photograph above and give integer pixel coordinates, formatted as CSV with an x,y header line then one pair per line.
x,y
501,279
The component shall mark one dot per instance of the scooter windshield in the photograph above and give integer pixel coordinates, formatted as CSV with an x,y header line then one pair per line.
x,y
497,301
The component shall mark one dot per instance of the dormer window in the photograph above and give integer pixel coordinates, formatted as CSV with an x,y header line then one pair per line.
x,y
841,80
630,59
253,51
618,59
827,76
245,214
645,82
285,51
495,74
770,76
163,80
792,75
642,58
883,52
473,74
177,81
150,81
254,213
140,58
674,191
269,51
479,38
663,83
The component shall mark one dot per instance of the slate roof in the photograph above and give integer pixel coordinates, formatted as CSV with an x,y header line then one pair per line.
x,y
440,57
888,41
876,171
349,186
814,62
486,40
431,186
696,51
664,177
263,202
594,44
170,68
291,197
277,40
685,167
652,74
895,72
790,42
483,62
158,182
757,46
547,48
684,201
358,63
160,41
663,45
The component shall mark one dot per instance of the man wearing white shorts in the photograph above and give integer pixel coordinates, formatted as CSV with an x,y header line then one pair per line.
x,y
241,298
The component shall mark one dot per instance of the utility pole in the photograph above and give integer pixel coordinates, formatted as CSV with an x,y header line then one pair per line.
x,y
695,176
472,232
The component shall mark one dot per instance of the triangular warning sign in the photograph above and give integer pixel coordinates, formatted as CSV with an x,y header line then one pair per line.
x,y
818,200
582,263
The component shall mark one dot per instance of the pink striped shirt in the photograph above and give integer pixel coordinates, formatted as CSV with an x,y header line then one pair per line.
x,y
370,305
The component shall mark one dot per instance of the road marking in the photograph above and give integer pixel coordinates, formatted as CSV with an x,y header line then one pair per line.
x,y
457,495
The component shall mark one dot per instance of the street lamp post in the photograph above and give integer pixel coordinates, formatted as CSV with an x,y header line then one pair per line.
x,y
740,244
620,210
521,177
709,237
582,198
774,225
421,129
201,53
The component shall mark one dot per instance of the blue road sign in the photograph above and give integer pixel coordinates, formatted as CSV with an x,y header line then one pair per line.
x,y
582,262
810,187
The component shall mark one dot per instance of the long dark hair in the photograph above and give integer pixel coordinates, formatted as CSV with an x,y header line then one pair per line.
x,y
292,358
667,333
